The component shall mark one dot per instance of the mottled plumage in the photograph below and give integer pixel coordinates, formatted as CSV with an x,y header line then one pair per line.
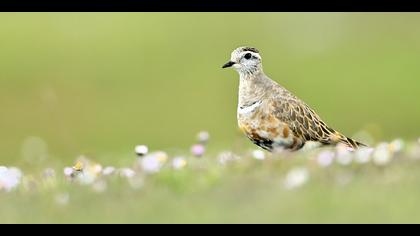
x,y
271,116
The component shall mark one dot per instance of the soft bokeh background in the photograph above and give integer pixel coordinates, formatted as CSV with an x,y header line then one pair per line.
x,y
100,83
97,84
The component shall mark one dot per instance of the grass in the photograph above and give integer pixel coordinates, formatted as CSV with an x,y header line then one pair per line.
x,y
245,190
98,84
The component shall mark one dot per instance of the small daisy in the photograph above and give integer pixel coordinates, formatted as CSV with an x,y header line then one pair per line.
x,y
3,171
141,150
396,145
179,163
86,178
258,154
296,178
363,155
153,162
150,164
198,150
344,156
161,156
382,154
325,158
10,178
203,137
109,170
68,172
79,165
84,171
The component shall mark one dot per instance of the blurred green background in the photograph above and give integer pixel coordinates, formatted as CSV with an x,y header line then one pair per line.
x,y
100,83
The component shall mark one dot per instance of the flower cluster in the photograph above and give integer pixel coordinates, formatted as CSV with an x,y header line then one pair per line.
x,y
380,155
199,148
10,178
149,163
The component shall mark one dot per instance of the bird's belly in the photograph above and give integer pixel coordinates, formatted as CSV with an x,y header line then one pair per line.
x,y
266,130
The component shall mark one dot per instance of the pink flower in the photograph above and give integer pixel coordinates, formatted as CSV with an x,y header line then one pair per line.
x,y
325,158
198,150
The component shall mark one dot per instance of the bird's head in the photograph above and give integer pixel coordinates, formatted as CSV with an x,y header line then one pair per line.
x,y
245,60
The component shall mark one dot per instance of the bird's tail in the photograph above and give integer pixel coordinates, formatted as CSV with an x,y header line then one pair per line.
x,y
352,143
348,141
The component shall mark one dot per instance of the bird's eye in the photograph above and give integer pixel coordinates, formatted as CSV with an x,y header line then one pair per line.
x,y
248,56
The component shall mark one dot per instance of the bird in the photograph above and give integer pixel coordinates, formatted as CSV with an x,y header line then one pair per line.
x,y
272,117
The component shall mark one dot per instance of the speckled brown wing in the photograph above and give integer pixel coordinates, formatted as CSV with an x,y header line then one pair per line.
x,y
305,123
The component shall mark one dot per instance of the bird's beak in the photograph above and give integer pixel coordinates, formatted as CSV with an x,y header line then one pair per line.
x,y
228,64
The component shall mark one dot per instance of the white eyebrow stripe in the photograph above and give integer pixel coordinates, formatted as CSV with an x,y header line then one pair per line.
x,y
250,108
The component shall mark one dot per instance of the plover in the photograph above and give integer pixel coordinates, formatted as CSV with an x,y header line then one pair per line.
x,y
271,116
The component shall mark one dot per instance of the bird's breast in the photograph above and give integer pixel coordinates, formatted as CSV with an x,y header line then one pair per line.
x,y
261,125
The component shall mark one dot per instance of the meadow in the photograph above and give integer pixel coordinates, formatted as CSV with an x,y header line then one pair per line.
x,y
325,185
90,87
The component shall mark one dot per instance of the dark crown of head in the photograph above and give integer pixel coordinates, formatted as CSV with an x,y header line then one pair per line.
x,y
250,49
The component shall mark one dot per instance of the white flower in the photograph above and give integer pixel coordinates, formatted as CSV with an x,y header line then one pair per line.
x,y
109,170
382,154
396,145
363,155
153,162
258,154
150,164
179,163
81,163
10,178
3,170
162,157
96,169
344,156
68,171
15,172
325,158
86,177
85,171
203,137
296,178
141,150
